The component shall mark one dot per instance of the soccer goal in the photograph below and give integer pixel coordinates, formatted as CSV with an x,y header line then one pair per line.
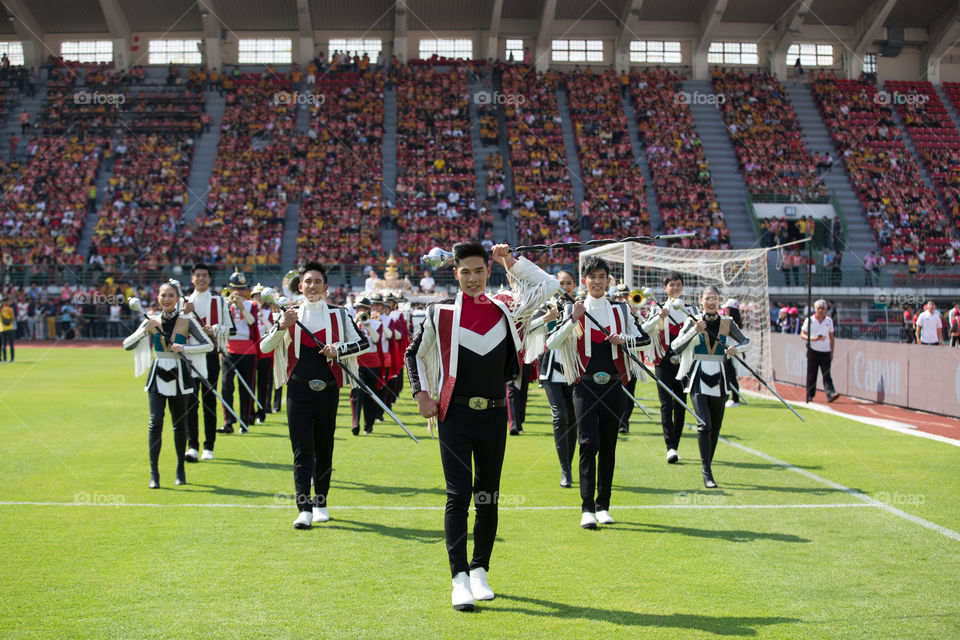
x,y
738,274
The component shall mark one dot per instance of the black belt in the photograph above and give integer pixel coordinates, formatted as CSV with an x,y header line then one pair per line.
x,y
314,385
479,403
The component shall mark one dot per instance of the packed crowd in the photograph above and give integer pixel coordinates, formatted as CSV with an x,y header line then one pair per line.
x,y
766,137
903,213
436,193
678,165
613,183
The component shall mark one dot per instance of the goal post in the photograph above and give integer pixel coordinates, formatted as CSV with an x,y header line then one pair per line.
x,y
738,274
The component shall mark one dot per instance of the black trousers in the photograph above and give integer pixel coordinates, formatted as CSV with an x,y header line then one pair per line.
x,y
277,397
6,339
264,385
238,364
481,436
710,408
178,414
362,402
394,387
671,412
818,360
205,395
312,418
626,409
517,397
597,409
560,397
731,371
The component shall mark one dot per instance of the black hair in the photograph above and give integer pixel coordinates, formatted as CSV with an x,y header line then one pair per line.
x,y
568,272
463,250
310,265
201,267
595,263
670,277
709,287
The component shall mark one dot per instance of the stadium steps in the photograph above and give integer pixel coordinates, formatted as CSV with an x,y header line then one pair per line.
x,y
724,168
570,150
303,118
640,157
911,147
388,237
11,125
948,103
291,229
480,151
860,238
104,171
204,154
504,227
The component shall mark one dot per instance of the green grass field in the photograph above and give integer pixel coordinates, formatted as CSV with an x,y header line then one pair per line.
x,y
774,553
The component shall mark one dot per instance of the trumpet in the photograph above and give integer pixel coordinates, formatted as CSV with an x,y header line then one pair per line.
x,y
362,317
636,298
292,281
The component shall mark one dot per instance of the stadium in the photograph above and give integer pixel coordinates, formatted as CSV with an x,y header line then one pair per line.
x,y
704,243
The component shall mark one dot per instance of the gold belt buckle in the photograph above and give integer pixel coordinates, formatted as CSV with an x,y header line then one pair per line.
x,y
317,385
478,403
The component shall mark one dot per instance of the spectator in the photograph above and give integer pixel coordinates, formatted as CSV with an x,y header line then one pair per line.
x,y
427,284
929,328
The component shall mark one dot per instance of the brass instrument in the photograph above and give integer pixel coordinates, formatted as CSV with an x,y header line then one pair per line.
x,y
292,281
636,298
362,317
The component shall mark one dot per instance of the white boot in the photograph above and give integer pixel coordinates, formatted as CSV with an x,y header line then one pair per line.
x,y
303,520
672,456
206,455
604,517
478,584
588,520
462,596
320,514
192,455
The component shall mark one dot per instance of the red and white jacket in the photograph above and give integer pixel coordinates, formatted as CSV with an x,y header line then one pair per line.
x,y
431,358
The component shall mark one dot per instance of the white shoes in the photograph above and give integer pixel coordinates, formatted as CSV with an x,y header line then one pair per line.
x,y
604,517
588,520
192,455
462,596
320,514
206,455
478,584
731,403
303,520
672,456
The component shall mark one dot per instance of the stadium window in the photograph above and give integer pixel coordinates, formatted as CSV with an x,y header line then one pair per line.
x,y
87,50
174,52
359,46
515,48
265,51
14,51
447,48
811,55
655,51
577,51
870,63
732,53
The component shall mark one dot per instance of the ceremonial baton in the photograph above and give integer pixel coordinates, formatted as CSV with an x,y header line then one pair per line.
x,y
137,307
268,295
636,402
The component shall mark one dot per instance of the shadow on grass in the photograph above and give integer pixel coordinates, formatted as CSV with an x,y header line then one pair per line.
x,y
721,625
407,534
227,491
816,491
275,466
730,535
766,465
378,489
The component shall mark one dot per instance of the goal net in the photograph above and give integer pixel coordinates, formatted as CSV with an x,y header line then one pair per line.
x,y
740,274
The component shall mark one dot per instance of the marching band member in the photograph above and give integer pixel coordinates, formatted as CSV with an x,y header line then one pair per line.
x,y
369,370
597,369
703,372
211,312
622,294
397,323
264,366
559,393
241,356
313,377
465,351
663,325
170,381
383,348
